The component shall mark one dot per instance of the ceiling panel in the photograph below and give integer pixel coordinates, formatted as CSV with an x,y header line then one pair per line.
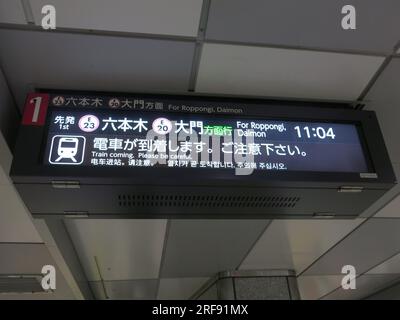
x,y
23,258
88,62
172,17
370,244
309,23
391,210
179,288
11,11
125,249
245,70
390,266
389,293
384,99
210,294
381,208
9,118
28,259
15,221
62,292
125,290
201,248
315,287
5,162
301,242
365,286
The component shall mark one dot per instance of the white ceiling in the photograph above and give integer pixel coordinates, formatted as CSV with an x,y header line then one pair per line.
x,y
365,286
72,61
315,287
390,266
306,23
172,17
125,249
329,286
179,288
384,99
301,242
28,259
125,289
190,241
245,70
15,221
391,210
370,244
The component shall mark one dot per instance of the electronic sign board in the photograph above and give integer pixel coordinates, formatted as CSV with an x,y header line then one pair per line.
x,y
111,138
165,156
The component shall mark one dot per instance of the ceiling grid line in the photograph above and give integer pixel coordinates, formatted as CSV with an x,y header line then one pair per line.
x,y
101,277
167,228
365,273
199,45
394,284
331,248
295,47
359,275
104,33
254,244
346,236
391,283
374,79
28,13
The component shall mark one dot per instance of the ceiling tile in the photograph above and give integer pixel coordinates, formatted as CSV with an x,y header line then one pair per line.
x,y
390,266
371,243
301,242
309,23
87,62
384,99
120,290
5,162
391,292
62,292
179,288
245,70
365,286
173,17
201,248
391,210
9,117
15,221
381,207
315,287
11,11
210,294
23,258
125,249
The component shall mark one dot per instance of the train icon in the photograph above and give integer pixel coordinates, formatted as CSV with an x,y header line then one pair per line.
x,y
67,150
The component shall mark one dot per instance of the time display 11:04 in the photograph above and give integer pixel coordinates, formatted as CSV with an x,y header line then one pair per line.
x,y
311,132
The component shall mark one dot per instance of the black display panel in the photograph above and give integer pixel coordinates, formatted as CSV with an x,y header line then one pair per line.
x,y
131,138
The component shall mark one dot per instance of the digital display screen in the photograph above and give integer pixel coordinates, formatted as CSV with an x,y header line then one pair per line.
x,y
131,138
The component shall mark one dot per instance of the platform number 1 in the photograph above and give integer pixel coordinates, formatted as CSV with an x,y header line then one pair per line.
x,y
38,102
35,109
